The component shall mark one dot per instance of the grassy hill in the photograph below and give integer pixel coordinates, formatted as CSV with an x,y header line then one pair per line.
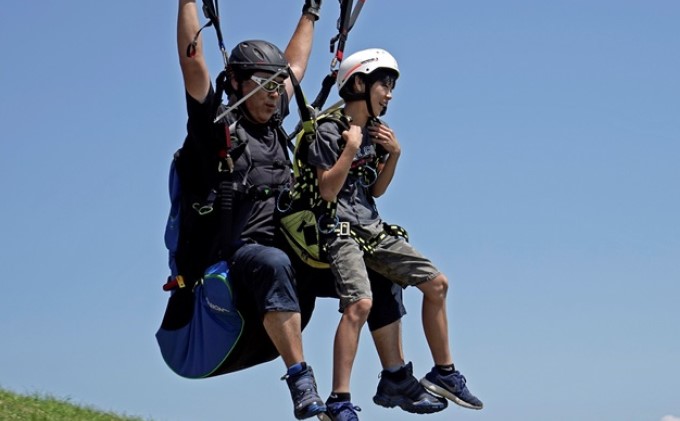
x,y
45,408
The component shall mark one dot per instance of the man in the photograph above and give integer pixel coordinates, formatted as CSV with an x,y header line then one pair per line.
x,y
261,274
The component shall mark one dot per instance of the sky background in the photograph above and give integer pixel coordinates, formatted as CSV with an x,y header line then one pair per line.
x,y
540,171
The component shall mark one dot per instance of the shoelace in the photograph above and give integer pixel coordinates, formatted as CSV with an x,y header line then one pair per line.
x,y
303,384
461,377
457,381
347,408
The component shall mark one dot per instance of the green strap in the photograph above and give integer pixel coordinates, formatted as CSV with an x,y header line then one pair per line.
x,y
369,245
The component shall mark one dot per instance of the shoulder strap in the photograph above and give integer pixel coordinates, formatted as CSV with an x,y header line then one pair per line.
x,y
337,117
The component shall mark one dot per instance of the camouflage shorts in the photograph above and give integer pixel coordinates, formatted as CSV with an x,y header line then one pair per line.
x,y
394,258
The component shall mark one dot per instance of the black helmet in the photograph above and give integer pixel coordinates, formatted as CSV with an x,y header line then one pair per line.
x,y
256,55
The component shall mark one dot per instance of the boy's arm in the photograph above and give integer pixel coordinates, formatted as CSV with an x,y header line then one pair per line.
x,y
384,136
194,69
332,179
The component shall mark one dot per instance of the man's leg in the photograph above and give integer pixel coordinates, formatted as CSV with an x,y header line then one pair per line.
x,y
388,344
397,386
283,328
264,280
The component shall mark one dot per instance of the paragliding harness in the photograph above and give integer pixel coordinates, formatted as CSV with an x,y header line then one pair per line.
x,y
306,219
201,326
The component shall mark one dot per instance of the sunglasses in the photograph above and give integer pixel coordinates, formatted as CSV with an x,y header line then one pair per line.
x,y
270,86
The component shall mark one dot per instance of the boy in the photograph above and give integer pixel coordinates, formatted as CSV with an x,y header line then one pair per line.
x,y
354,165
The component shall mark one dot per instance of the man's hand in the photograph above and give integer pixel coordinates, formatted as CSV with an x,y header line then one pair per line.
x,y
312,7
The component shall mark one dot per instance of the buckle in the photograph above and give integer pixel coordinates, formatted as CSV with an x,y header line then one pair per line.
x,y
229,164
343,228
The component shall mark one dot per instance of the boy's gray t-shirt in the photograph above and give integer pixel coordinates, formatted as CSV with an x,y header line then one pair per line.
x,y
355,203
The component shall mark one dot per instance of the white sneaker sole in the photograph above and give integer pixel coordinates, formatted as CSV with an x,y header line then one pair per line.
x,y
440,391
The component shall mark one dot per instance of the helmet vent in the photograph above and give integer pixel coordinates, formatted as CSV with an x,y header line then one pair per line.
x,y
259,53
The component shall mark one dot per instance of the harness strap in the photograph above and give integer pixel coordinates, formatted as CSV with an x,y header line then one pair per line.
x,y
345,23
368,245
173,283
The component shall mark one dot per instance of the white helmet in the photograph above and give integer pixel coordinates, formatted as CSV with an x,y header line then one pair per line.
x,y
365,61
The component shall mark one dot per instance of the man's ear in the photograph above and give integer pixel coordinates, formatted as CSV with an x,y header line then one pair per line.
x,y
234,83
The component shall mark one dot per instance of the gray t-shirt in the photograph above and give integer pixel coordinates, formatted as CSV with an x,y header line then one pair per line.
x,y
265,165
355,202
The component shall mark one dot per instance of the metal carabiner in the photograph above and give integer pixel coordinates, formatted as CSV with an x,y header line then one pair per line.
x,y
279,198
367,178
202,209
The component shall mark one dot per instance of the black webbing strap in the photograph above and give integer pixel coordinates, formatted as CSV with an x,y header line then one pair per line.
x,y
368,245
326,86
307,112
348,18
212,13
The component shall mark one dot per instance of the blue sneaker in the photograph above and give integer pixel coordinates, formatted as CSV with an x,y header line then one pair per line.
x,y
340,411
406,393
451,386
306,401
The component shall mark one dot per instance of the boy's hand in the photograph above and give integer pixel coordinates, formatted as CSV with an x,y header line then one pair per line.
x,y
384,136
352,138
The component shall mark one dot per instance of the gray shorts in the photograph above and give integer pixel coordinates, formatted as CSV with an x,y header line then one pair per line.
x,y
393,258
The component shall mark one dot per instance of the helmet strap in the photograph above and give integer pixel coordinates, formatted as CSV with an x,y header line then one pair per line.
x,y
367,97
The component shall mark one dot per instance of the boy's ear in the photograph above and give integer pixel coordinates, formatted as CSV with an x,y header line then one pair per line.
x,y
359,85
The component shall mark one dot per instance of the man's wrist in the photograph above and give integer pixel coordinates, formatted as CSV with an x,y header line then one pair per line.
x,y
312,8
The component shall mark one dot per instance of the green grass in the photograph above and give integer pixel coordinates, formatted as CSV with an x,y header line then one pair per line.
x,y
39,407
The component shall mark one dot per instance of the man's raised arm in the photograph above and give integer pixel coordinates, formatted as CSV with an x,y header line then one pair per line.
x,y
194,67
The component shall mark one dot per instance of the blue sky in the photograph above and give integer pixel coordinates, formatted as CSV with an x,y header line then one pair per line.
x,y
541,142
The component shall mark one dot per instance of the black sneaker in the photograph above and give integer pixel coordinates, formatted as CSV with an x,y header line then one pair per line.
x,y
306,401
451,386
406,393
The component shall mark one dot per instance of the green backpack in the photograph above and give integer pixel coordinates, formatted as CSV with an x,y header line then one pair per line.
x,y
304,215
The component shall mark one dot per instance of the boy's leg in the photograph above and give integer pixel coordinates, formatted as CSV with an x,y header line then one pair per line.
x,y
399,261
435,321
443,379
347,341
353,288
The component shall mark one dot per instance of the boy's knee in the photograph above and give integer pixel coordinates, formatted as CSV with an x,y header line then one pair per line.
x,y
441,283
359,309
437,287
